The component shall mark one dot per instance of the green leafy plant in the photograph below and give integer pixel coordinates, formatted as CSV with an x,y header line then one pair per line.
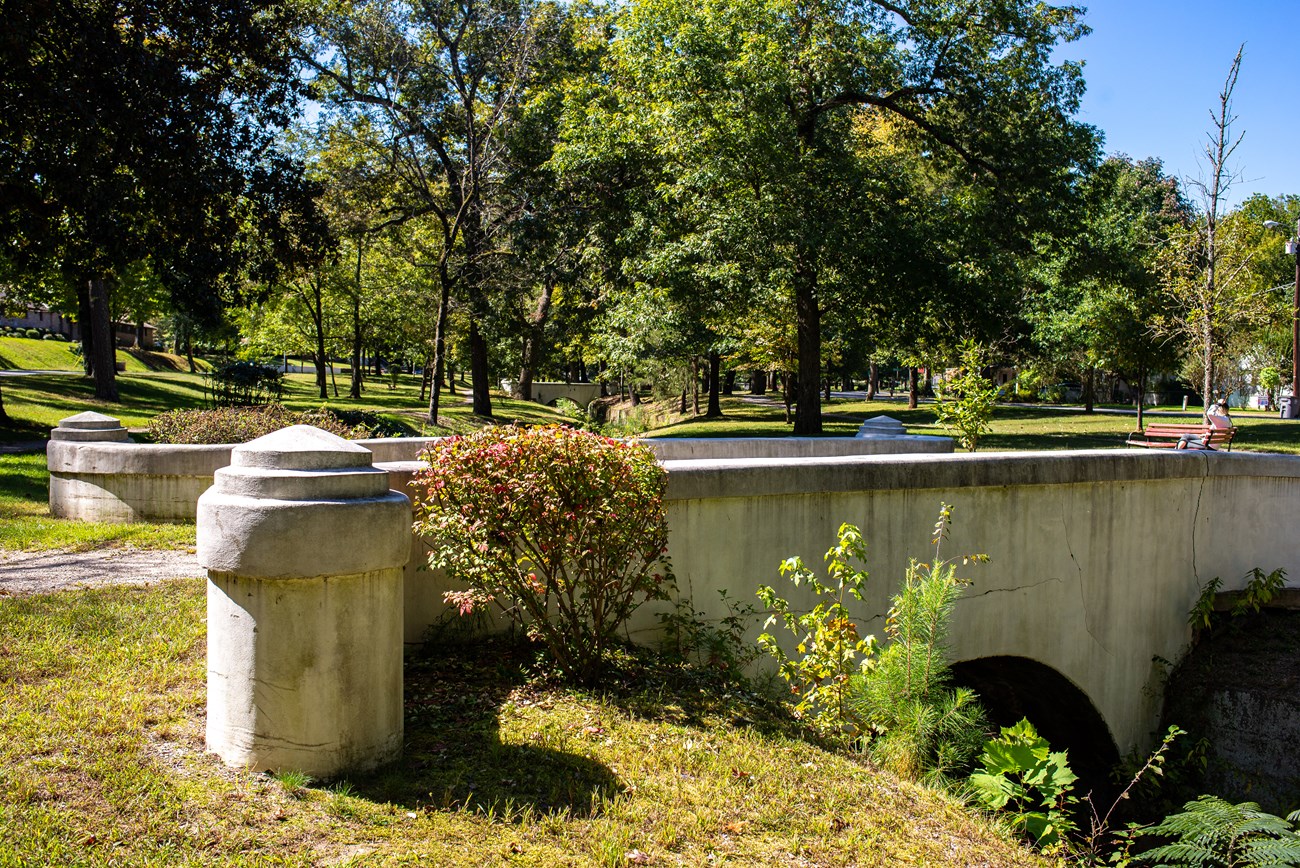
x,y
241,424
966,398
242,384
1202,612
1212,833
830,649
1259,591
562,530
1100,838
1021,775
718,645
919,726
1261,588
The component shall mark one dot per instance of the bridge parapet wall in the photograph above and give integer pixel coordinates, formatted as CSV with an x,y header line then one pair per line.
x,y
1096,556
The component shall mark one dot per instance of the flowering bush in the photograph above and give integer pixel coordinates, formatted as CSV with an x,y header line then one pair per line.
x,y
241,424
562,530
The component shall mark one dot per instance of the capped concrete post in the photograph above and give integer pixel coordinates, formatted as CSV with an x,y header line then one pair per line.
x,y
87,427
304,545
90,427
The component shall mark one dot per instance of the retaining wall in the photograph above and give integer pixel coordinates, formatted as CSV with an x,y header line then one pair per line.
x,y
101,476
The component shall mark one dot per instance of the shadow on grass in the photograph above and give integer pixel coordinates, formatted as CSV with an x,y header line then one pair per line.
x,y
454,758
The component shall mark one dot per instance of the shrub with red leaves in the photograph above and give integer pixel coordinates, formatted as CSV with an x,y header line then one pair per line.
x,y
561,529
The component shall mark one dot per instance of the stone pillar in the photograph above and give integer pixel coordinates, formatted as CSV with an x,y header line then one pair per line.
x,y
304,545
85,427
61,452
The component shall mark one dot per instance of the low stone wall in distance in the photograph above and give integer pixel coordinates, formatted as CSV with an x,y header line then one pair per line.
x,y
97,474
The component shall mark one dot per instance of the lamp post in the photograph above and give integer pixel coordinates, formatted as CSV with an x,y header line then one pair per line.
x,y
1293,248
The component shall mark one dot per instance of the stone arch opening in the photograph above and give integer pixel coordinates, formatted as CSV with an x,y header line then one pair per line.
x,y
1014,687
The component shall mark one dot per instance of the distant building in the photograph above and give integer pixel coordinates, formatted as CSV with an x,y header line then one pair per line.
x,y
41,317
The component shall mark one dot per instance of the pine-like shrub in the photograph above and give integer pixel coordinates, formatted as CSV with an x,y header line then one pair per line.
x,y
241,424
561,530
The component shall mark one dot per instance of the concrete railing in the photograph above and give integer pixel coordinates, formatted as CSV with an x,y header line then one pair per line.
x,y
97,474
1096,556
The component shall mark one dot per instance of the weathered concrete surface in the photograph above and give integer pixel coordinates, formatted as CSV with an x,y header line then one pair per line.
x,y
304,546
1096,556
118,481
1239,690
724,448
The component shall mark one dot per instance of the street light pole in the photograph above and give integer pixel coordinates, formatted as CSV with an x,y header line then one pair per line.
x,y
1293,247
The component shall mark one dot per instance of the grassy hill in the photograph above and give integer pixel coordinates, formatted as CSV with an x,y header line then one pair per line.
x,y
103,763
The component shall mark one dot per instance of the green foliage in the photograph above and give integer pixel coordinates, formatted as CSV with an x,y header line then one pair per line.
x,y
242,384
717,645
830,649
241,424
1203,610
1259,591
966,398
1213,833
1021,774
562,530
920,727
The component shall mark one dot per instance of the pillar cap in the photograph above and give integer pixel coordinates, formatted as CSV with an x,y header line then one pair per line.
x,y
881,425
89,427
300,447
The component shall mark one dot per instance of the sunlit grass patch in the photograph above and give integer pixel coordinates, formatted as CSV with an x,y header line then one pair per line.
x,y
26,523
101,762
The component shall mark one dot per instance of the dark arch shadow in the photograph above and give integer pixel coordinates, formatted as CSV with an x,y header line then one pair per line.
x,y
1014,687
454,758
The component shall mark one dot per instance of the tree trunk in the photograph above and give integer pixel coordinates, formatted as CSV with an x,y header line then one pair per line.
x,y
478,368
105,364
682,409
695,385
873,381
1089,389
846,380
826,385
808,412
318,321
913,391
4,416
440,337
139,334
86,320
189,351
1142,393
787,397
758,382
451,378
715,402
425,376
354,390
729,382
532,342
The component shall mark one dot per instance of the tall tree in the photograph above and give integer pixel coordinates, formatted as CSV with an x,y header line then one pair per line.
x,y
441,82
134,128
758,100
1207,268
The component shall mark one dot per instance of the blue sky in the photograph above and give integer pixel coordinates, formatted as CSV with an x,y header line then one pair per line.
x,y
1154,70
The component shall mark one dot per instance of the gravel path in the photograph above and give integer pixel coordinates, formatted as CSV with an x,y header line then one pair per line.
x,y
44,572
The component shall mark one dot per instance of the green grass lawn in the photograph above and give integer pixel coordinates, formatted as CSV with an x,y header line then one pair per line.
x,y
26,354
102,763
1014,427
37,403
26,523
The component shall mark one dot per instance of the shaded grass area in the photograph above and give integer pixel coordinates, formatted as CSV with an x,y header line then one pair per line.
x,y
1015,428
37,403
101,762
26,523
